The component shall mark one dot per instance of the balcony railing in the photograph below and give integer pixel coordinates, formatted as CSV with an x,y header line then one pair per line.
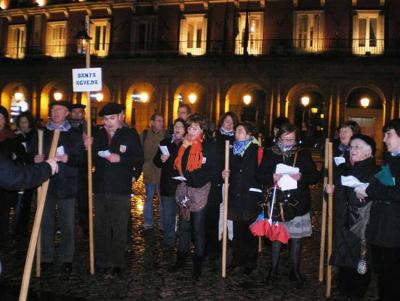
x,y
265,47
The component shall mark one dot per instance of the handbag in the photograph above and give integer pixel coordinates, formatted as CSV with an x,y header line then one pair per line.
x,y
191,199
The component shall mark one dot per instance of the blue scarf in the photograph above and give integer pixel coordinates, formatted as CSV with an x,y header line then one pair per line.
x,y
239,147
65,127
226,133
396,153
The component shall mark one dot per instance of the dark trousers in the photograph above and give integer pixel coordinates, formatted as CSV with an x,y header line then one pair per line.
x,y
386,263
22,211
168,212
83,211
66,214
245,249
112,213
352,284
212,219
192,231
6,202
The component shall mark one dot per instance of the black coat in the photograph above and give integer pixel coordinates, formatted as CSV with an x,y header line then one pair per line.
x,y
309,174
347,244
206,173
13,177
116,178
243,203
167,184
64,183
384,223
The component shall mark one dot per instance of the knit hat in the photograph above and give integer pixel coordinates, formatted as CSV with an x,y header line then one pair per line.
x,y
367,139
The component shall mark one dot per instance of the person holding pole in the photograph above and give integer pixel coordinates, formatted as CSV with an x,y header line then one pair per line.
x,y
287,151
117,158
383,230
195,164
244,195
63,186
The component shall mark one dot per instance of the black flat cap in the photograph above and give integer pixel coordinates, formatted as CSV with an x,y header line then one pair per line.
x,y
110,109
63,103
77,106
368,140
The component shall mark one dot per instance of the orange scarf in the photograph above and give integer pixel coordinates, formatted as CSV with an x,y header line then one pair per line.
x,y
195,159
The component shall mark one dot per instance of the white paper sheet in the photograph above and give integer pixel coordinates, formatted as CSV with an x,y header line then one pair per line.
x,y
339,160
286,169
60,151
286,182
351,181
221,221
164,150
104,153
252,189
179,178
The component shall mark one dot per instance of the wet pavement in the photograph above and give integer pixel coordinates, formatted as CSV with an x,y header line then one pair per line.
x,y
146,275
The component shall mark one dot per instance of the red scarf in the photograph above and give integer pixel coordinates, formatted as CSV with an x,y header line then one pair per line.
x,y
195,159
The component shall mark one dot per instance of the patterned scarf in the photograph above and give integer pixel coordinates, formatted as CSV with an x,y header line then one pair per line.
x,y
195,159
65,127
344,148
225,132
396,153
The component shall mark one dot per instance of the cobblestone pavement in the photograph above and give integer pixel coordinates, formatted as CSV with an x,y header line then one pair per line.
x,y
146,276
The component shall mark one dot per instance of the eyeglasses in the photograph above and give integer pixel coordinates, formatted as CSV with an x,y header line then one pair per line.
x,y
288,140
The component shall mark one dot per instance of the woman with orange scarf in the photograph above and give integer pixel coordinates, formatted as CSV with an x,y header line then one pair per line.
x,y
195,164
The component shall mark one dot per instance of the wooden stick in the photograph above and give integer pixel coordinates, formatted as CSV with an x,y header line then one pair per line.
x,y
330,225
225,227
259,244
39,242
36,226
323,222
89,156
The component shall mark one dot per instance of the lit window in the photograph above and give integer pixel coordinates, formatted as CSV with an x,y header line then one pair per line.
x,y
309,31
368,33
250,36
193,35
100,34
16,41
56,39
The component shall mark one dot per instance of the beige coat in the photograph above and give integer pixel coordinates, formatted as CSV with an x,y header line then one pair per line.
x,y
151,173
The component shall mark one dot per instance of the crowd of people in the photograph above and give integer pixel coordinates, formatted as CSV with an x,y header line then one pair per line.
x,y
185,166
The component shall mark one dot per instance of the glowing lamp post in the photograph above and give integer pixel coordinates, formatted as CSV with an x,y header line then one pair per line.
x,y
365,102
192,98
247,99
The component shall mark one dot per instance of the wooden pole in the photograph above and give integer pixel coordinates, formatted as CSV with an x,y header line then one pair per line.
x,y
330,224
36,226
259,244
323,222
39,242
89,156
225,227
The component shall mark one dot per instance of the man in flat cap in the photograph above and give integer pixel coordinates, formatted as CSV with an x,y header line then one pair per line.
x,y
117,157
63,186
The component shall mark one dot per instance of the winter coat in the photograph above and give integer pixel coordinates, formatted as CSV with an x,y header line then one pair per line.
x,y
150,142
116,178
243,203
13,177
309,174
167,184
347,239
384,223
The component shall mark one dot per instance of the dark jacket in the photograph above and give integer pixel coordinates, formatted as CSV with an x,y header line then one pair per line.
x,y
309,174
167,184
243,203
64,183
13,177
116,178
347,243
206,173
384,223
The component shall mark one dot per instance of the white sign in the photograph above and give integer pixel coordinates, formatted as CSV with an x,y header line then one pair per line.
x,y
86,80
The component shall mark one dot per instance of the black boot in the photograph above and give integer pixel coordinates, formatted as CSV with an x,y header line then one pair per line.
x,y
179,264
273,273
197,262
295,250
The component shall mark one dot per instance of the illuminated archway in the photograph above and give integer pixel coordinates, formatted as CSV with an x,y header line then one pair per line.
x,y
140,104
193,94
15,94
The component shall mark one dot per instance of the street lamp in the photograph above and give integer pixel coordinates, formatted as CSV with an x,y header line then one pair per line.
x,y
144,97
305,101
57,96
247,99
365,102
192,98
